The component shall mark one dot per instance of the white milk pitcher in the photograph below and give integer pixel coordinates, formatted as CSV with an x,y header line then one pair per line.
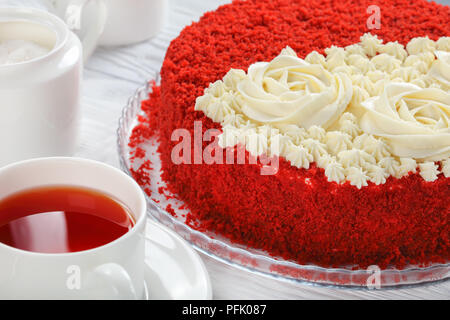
x,y
41,62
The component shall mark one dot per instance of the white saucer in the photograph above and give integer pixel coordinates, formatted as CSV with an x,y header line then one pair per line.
x,y
174,271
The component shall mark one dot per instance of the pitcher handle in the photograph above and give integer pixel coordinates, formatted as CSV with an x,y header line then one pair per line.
x,y
73,18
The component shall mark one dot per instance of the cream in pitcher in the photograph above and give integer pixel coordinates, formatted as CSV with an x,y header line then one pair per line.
x,y
16,51
22,41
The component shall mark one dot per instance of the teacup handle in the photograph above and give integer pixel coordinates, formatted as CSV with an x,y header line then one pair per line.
x,y
119,279
73,17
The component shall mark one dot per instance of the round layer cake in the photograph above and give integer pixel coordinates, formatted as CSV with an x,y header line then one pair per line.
x,y
350,116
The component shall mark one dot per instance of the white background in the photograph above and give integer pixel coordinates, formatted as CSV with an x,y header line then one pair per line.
x,y
112,75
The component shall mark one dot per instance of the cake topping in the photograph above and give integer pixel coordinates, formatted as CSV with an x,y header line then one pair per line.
x,y
289,90
446,168
362,113
407,165
371,44
377,174
440,69
335,172
443,44
394,49
338,141
429,171
390,165
413,121
420,44
299,156
317,133
357,177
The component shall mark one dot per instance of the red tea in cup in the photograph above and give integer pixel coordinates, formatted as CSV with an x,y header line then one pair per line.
x,y
61,219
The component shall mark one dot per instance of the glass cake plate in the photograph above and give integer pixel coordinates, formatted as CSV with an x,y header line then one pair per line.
x,y
253,260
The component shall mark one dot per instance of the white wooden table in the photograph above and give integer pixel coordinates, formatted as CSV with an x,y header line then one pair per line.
x,y
112,75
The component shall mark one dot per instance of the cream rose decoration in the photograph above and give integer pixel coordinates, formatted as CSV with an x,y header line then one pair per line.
x,y
413,121
362,113
289,90
440,69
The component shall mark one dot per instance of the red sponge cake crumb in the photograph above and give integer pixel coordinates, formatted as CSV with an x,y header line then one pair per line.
x,y
296,214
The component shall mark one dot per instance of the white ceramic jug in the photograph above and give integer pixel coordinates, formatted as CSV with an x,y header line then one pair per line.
x,y
39,98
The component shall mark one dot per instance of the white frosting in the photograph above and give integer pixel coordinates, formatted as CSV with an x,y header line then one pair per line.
x,y
371,44
296,134
357,177
315,58
394,49
349,127
354,49
414,121
315,147
289,90
325,160
386,62
440,69
377,174
420,44
355,158
429,171
299,156
256,143
407,165
390,165
446,168
335,172
371,145
338,141
317,133
443,44
363,113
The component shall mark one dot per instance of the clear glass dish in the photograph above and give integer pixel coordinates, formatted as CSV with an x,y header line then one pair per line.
x,y
257,261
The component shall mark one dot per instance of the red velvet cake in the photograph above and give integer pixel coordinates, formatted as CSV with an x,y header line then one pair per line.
x,y
359,115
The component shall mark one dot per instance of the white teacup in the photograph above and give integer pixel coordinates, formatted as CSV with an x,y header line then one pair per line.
x,y
120,22
39,98
112,271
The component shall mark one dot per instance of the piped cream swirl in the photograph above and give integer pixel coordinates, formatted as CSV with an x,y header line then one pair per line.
x,y
440,69
414,121
289,90
362,113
